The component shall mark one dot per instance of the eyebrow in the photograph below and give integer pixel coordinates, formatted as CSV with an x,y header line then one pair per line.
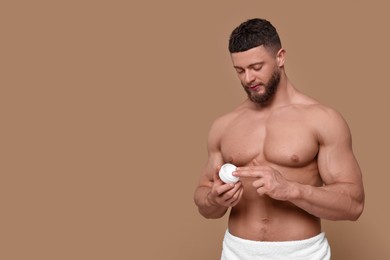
x,y
250,65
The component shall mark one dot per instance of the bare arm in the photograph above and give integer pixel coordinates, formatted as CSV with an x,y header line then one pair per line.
x,y
205,198
342,195
212,196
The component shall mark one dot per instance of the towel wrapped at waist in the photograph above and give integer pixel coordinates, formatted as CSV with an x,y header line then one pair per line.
x,y
314,248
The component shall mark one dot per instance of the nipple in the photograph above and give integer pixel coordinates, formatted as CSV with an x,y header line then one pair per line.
x,y
295,158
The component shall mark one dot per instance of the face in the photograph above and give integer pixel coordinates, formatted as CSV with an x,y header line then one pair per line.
x,y
258,72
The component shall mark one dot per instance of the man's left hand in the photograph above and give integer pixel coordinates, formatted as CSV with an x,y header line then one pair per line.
x,y
268,181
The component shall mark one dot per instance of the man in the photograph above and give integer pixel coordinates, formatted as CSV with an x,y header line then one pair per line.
x,y
294,157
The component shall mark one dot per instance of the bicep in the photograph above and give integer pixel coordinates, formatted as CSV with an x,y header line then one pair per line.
x,y
214,159
336,161
210,169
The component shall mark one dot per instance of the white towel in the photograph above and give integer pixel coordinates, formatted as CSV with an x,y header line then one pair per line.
x,y
315,248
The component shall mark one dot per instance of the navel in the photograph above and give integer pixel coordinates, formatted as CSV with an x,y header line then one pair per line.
x,y
265,220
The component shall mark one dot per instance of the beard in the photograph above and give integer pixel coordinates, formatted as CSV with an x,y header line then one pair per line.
x,y
270,90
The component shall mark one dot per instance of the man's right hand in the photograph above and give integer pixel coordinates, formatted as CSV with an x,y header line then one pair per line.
x,y
224,194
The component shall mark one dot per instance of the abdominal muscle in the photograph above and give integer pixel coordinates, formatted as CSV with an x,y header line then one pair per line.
x,y
286,141
261,218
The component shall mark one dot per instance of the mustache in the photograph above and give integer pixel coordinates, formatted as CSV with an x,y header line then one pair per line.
x,y
251,85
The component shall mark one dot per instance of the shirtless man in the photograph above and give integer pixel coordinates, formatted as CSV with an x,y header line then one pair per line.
x,y
294,157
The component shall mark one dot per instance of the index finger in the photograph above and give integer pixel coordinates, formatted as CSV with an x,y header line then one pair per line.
x,y
247,172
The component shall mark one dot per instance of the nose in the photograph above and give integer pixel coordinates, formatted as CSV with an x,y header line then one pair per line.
x,y
249,76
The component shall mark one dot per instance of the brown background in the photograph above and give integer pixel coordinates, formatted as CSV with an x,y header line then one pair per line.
x,y
106,105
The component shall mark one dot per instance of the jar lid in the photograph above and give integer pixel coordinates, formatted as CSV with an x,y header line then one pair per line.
x,y
226,173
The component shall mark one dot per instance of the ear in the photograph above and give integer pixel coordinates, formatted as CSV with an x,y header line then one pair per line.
x,y
281,57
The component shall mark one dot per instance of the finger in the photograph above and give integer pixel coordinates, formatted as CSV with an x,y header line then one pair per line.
x,y
261,191
224,187
236,198
258,183
216,176
228,194
248,172
233,188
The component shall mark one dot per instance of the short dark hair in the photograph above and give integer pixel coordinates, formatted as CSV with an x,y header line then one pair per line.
x,y
253,33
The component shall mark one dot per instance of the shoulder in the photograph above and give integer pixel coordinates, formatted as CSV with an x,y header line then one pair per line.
x,y
329,125
221,123
317,111
318,114
224,120
326,123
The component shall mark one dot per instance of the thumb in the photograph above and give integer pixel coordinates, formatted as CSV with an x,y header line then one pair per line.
x,y
216,174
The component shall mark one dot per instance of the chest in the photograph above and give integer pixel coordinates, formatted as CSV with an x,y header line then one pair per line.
x,y
284,140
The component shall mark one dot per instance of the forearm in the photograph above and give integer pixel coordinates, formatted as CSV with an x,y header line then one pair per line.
x,y
341,201
205,206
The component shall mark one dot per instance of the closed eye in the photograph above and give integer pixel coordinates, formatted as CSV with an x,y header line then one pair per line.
x,y
239,70
257,67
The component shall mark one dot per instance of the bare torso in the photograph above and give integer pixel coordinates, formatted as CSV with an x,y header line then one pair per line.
x,y
294,158
284,139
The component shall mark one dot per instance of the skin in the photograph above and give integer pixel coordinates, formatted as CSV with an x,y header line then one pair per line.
x,y
294,158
